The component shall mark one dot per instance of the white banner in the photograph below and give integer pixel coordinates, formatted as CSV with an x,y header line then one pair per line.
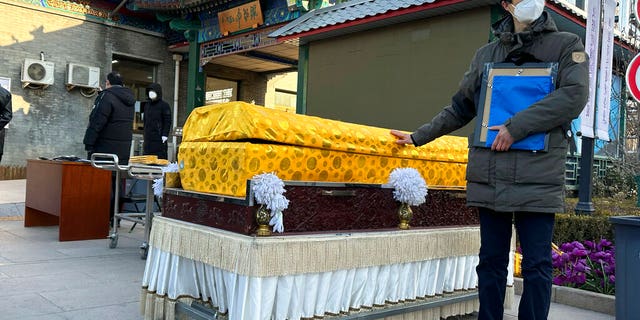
x,y
603,112
587,117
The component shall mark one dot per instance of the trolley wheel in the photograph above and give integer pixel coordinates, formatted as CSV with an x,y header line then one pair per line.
x,y
113,241
144,251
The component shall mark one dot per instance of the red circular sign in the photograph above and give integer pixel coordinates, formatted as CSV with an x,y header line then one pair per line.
x,y
633,77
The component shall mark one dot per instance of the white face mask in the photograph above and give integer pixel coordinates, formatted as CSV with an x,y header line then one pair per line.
x,y
528,11
153,95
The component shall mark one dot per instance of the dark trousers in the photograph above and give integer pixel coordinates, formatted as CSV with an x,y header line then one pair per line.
x,y
535,232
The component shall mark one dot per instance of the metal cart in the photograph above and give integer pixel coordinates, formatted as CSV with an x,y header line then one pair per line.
x,y
107,161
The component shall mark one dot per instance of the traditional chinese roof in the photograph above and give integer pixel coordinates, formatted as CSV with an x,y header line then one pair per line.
x,y
373,13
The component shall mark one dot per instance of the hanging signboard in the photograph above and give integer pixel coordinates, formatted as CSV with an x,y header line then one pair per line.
x,y
236,44
242,17
633,77
587,117
603,112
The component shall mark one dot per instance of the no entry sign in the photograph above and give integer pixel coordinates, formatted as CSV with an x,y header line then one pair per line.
x,y
633,77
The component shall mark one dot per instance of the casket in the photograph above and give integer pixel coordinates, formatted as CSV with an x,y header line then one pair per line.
x,y
341,253
225,145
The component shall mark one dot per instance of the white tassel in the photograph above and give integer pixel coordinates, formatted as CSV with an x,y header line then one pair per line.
x,y
158,184
276,222
409,186
268,190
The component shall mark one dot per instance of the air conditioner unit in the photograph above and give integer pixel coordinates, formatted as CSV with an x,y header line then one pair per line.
x,y
37,72
83,76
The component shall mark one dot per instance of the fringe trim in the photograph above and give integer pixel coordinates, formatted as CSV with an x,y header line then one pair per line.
x,y
287,255
164,308
508,298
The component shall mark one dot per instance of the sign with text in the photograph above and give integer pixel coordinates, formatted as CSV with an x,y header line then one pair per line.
x,y
603,100
587,117
241,17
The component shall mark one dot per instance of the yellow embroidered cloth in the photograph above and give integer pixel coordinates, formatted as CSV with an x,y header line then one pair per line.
x,y
225,145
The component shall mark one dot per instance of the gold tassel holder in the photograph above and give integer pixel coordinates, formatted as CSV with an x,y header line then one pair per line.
x,y
262,218
405,214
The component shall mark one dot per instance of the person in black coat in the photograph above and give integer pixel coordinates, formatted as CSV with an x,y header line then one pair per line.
x,y
110,127
157,123
5,115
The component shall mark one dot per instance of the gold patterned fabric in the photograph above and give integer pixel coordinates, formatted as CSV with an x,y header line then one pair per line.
x,y
225,145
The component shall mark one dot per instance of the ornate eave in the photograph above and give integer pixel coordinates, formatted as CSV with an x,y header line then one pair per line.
x,y
180,6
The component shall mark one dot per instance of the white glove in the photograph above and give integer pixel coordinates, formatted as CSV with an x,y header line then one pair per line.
x,y
164,139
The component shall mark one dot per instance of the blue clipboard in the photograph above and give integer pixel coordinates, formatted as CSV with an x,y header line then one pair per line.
x,y
506,90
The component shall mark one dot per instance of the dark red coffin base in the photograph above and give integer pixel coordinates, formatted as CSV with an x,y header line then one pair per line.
x,y
323,209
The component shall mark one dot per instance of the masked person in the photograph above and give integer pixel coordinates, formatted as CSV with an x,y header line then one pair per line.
x,y
6,113
157,123
509,185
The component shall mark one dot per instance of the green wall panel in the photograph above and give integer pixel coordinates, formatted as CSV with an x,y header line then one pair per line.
x,y
394,77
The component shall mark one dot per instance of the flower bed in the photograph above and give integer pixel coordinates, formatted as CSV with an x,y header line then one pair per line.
x,y
586,265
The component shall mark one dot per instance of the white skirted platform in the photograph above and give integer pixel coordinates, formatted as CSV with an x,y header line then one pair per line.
x,y
306,276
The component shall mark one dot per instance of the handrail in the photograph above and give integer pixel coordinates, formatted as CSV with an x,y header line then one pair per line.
x,y
145,172
107,161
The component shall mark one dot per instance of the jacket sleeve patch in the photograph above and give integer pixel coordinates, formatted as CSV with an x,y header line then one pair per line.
x,y
579,57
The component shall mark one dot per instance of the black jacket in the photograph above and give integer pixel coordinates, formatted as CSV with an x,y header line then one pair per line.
x,y
157,124
5,113
519,180
110,127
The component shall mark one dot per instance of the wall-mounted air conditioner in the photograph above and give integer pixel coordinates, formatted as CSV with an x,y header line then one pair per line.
x,y
38,72
83,76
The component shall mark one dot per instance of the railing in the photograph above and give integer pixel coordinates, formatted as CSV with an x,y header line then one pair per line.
x,y
13,172
572,169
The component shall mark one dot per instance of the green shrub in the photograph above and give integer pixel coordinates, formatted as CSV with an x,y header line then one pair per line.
x,y
572,227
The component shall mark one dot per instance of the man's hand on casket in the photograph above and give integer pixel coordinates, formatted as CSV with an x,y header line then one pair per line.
x,y
401,137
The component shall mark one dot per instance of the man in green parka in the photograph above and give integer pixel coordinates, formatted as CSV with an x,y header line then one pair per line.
x,y
509,185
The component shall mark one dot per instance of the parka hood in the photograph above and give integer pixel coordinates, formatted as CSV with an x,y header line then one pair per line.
x,y
503,29
124,94
155,87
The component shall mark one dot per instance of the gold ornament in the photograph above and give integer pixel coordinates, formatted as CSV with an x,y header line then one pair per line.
x,y
405,214
263,215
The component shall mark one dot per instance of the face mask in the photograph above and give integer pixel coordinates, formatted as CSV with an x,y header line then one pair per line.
x,y
153,95
528,11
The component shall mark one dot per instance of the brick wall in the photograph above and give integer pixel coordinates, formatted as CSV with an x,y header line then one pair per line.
x,y
51,122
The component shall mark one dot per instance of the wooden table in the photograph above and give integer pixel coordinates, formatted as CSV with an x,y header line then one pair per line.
x,y
74,195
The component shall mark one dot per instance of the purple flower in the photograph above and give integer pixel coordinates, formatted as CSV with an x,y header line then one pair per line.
x,y
589,244
603,243
589,265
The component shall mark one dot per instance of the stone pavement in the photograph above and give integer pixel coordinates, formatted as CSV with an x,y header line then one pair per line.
x,y
44,279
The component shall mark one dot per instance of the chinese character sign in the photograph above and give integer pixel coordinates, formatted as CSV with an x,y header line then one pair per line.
x,y
241,17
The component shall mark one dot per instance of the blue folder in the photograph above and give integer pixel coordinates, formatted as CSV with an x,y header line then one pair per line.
x,y
506,90
512,94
